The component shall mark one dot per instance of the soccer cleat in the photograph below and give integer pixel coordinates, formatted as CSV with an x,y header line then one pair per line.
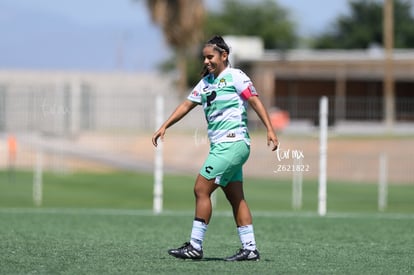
x,y
187,251
244,255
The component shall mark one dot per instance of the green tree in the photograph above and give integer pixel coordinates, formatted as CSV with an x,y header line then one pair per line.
x,y
364,26
264,18
181,22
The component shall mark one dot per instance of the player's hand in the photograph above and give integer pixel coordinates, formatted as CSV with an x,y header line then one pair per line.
x,y
158,134
272,138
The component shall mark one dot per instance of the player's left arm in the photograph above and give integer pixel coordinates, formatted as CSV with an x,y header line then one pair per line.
x,y
260,109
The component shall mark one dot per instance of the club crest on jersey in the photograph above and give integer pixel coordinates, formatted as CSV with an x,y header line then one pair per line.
x,y
222,83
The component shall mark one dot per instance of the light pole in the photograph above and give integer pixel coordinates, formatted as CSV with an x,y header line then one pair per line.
x,y
388,85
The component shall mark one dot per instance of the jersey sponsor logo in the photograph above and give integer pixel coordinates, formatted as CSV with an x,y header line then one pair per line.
x,y
208,169
231,135
195,93
211,97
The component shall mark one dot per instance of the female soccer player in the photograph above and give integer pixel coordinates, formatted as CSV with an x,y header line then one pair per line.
x,y
224,94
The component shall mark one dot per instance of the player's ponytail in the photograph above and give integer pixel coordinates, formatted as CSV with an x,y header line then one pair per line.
x,y
219,44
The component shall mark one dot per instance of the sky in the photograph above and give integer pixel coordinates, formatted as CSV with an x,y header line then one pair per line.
x,y
110,35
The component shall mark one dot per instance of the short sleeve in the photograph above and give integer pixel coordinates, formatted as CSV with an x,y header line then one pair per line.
x,y
195,95
243,84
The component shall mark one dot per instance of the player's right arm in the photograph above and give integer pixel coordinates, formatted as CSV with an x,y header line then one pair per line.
x,y
182,109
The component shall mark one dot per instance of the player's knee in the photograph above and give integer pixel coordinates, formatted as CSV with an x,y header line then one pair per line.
x,y
200,192
204,188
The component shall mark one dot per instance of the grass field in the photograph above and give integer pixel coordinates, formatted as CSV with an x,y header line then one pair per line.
x,y
134,191
103,224
59,241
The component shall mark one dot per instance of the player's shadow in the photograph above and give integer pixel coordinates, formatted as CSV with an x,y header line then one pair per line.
x,y
216,259
213,259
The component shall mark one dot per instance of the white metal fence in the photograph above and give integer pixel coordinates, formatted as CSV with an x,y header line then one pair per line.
x,y
350,108
67,104
108,119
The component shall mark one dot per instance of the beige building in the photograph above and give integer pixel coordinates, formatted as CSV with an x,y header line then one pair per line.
x,y
353,80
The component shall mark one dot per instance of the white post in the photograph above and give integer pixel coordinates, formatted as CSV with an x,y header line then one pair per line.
x,y
74,112
214,199
158,170
297,184
323,139
37,179
382,182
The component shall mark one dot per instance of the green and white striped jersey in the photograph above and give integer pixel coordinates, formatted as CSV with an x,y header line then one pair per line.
x,y
224,100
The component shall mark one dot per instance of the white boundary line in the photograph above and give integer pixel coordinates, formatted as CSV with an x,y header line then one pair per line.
x,y
263,214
